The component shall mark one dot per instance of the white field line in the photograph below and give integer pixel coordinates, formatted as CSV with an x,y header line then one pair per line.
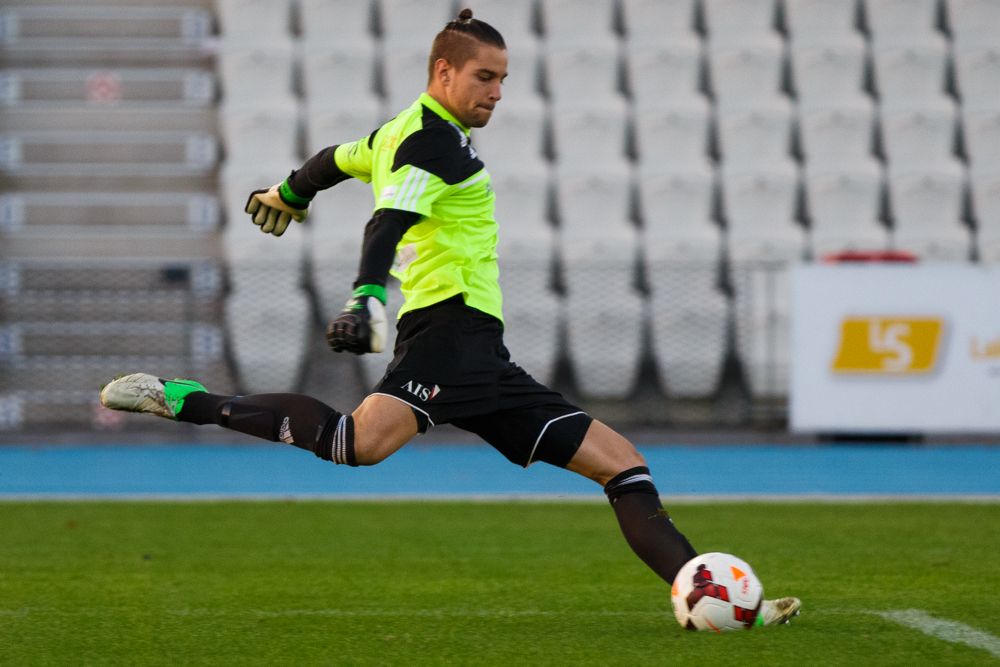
x,y
598,497
362,613
950,631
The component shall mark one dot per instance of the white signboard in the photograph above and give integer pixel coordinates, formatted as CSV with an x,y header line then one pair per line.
x,y
907,348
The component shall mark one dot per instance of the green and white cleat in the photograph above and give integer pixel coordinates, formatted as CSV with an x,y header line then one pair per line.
x,y
140,392
777,612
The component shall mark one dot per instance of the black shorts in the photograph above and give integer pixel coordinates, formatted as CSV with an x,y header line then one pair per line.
x,y
451,367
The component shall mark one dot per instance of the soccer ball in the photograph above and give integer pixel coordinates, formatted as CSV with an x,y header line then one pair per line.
x,y
716,592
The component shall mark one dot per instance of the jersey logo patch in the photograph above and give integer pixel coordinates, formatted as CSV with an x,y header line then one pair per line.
x,y
285,433
389,192
407,255
420,391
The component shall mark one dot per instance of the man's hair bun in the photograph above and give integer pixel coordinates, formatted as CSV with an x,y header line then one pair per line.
x,y
465,15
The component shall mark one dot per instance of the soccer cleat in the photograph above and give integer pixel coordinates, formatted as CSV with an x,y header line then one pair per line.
x,y
140,392
777,612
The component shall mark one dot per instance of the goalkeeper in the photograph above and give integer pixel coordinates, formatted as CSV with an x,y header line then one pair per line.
x,y
433,227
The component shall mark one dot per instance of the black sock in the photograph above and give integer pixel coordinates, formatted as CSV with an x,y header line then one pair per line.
x,y
646,525
291,418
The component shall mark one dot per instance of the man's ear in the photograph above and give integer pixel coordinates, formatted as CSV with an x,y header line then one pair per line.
x,y
442,71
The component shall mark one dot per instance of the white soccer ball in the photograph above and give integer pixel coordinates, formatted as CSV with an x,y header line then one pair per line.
x,y
717,592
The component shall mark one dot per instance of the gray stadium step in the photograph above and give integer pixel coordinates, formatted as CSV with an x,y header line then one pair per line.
x,y
108,212
136,88
107,119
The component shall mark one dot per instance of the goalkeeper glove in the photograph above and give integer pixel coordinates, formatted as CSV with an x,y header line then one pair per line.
x,y
272,209
362,326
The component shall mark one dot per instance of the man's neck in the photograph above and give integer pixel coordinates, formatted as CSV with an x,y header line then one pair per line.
x,y
440,99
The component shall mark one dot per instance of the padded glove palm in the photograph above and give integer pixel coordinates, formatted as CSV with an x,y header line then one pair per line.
x,y
362,326
272,209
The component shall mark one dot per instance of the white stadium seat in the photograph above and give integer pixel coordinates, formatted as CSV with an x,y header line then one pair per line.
x,y
922,137
986,204
658,22
260,135
414,23
522,204
978,74
531,308
901,21
335,76
827,74
674,201
514,19
243,19
910,75
583,74
675,136
256,76
763,305
405,76
759,208
268,314
593,204
688,311
819,22
515,133
982,139
736,21
844,205
927,210
600,279
743,75
660,75
757,137
337,23
577,22
841,136
974,23
332,127
590,136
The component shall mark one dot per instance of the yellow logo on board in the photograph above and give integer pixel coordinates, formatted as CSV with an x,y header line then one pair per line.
x,y
877,345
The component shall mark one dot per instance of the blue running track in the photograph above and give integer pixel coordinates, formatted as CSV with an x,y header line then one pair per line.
x,y
471,470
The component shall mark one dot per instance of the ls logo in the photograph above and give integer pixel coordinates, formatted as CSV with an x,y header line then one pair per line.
x,y
420,391
888,345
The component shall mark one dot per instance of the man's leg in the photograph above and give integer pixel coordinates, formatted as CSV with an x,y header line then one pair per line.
x,y
379,427
610,460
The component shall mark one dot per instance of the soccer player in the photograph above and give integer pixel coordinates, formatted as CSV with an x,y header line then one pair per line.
x,y
434,228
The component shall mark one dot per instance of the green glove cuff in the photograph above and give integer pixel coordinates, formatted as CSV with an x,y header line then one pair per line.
x,y
290,198
376,291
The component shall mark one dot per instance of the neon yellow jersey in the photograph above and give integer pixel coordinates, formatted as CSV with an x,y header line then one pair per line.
x,y
421,161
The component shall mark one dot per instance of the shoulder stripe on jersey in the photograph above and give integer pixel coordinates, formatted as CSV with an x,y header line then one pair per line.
x,y
412,189
473,181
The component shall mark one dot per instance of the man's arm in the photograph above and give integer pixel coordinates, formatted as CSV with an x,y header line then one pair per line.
x,y
362,326
273,208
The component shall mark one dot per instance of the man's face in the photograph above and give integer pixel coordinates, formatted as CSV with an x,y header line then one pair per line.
x,y
474,90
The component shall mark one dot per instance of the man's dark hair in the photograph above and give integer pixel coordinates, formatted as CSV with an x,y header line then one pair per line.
x,y
460,39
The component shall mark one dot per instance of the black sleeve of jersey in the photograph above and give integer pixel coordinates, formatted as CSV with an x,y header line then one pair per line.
x,y
382,234
441,150
318,173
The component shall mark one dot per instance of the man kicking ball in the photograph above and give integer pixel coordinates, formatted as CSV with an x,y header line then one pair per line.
x,y
433,228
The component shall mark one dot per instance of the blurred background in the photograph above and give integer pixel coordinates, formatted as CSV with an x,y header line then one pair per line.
x,y
660,167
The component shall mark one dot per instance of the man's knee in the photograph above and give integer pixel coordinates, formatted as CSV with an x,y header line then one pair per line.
x,y
604,453
382,425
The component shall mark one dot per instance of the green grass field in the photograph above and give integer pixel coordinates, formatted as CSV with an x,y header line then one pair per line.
x,y
276,583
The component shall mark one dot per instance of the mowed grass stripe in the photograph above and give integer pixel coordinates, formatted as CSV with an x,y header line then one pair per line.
x,y
275,583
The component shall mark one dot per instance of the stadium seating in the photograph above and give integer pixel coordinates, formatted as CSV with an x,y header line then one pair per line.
x,y
974,23
664,75
675,136
514,19
927,210
910,74
414,23
331,127
756,138
583,74
336,76
243,19
838,137
738,21
978,77
577,22
257,76
986,198
982,139
746,74
844,204
920,138
901,21
405,75
821,22
657,23
828,74
39,88
337,23
591,136
763,307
